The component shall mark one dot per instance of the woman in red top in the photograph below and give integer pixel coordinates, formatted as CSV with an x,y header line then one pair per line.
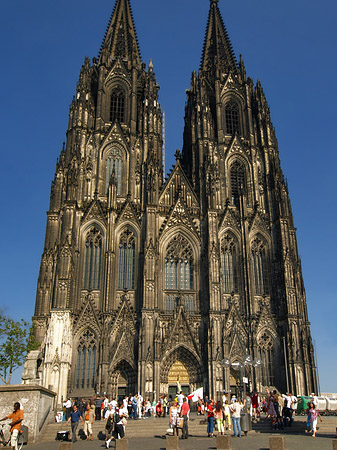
x,y
210,418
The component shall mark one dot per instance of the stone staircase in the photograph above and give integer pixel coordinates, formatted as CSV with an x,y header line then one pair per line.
x,y
154,426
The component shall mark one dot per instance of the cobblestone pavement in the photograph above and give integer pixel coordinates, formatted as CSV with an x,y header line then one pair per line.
x,y
254,441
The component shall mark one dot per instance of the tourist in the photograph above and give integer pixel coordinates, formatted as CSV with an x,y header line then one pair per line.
x,y
173,416
17,418
218,414
68,406
210,418
89,419
236,408
184,413
255,405
227,416
313,414
75,416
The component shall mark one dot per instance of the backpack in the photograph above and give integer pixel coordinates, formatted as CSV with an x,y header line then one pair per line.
x,y
117,418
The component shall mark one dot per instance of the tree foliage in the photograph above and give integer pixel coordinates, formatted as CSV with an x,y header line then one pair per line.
x,y
16,340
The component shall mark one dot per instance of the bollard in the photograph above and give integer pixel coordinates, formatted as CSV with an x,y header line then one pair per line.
x,y
66,446
224,442
172,443
122,444
334,444
277,443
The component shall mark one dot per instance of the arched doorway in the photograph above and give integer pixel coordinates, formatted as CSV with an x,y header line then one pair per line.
x,y
180,368
123,380
178,379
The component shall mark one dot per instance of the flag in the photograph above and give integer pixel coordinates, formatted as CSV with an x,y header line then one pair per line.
x,y
196,395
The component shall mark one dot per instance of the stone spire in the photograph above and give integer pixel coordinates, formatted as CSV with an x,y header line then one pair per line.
x,y
217,50
120,40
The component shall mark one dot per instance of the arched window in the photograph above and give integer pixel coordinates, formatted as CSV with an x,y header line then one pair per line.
x,y
117,106
259,267
93,257
86,361
265,342
126,261
232,117
114,166
179,264
238,181
229,265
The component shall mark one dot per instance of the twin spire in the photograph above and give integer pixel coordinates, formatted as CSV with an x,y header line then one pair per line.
x,y
217,50
120,40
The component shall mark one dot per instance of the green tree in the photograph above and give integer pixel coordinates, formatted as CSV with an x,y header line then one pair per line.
x,y
16,340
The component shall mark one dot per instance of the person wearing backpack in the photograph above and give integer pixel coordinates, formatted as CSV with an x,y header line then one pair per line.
x,y
109,430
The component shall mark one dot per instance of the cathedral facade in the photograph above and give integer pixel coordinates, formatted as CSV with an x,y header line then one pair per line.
x,y
148,284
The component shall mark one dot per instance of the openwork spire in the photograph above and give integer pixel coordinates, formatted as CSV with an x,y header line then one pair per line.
x,y
217,50
120,40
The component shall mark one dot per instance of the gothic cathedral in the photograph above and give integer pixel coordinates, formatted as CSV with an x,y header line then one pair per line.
x,y
148,284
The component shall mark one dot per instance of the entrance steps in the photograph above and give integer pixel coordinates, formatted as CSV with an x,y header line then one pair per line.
x,y
157,426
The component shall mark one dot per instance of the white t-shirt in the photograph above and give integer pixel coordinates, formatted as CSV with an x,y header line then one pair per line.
x,y
181,399
108,413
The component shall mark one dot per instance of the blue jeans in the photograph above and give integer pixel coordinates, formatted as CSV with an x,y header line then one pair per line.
x,y
236,426
210,425
134,411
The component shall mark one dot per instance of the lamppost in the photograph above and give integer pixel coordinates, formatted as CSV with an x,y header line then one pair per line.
x,y
237,365
248,361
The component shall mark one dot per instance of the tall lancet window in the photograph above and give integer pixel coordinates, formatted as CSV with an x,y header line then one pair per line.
x,y
93,258
238,181
232,117
86,361
229,265
117,106
259,267
126,261
114,166
179,265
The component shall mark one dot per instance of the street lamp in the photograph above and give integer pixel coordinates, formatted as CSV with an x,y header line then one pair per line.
x,y
238,366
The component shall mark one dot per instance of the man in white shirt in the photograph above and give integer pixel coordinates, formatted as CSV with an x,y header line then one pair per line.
x,y
180,400
109,412
113,403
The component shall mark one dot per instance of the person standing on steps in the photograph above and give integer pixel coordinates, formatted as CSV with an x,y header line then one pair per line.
x,y
184,413
75,416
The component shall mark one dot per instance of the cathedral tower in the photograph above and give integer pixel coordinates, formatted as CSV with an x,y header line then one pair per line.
x,y
149,284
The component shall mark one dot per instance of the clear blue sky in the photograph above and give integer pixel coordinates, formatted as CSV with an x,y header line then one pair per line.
x,y
290,46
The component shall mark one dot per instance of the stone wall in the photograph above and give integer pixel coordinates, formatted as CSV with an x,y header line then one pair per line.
x,y
37,402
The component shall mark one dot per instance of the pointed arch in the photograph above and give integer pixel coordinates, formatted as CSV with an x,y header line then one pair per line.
x,y
229,255
232,117
188,358
86,360
114,168
117,105
93,243
126,259
260,264
266,345
238,180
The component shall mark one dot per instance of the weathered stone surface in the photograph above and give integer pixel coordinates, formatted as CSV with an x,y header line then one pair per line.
x,y
224,442
65,446
122,444
172,442
277,443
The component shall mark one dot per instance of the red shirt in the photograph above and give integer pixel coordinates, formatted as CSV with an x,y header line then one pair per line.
x,y
184,409
210,411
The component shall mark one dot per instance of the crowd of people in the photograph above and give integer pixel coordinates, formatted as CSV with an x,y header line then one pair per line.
x,y
225,414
